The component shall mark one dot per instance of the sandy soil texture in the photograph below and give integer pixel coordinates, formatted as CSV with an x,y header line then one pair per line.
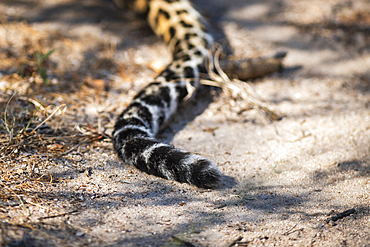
x,y
286,183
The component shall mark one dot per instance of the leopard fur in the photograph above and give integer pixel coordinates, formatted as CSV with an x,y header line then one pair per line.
x,y
182,28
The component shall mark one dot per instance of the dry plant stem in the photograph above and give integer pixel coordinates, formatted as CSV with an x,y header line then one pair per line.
x,y
23,206
58,215
51,178
43,207
33,116
58,108
240,89
37,104
73,148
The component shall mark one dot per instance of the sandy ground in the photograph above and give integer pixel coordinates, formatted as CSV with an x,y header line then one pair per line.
x,y
278,190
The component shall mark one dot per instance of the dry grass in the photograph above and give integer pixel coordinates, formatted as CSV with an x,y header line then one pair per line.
x,y
41,124
35,137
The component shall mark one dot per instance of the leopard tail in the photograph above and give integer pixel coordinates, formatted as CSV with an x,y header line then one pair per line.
x,y
136,127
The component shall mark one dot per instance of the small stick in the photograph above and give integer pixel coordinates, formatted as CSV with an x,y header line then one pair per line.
x,y
58,215
334,218
341,215
73,148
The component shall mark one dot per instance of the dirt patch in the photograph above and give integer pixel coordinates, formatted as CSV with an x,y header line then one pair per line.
x,y
67,68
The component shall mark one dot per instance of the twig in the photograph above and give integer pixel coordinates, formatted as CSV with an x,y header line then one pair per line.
x,y
334,218
58,215
341,215
290,230
73,148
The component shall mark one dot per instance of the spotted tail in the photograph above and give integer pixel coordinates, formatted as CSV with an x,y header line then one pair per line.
x,y
134,132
